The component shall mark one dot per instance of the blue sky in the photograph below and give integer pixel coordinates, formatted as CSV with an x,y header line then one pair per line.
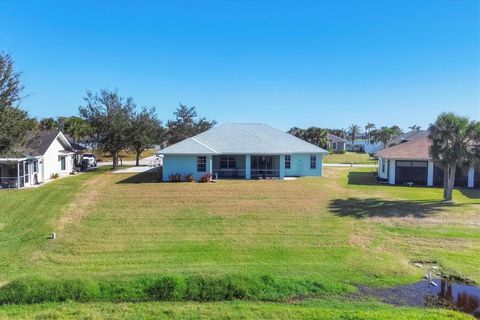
x,y
286,63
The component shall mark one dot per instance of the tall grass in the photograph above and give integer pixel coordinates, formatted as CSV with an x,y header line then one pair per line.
x,y
161,288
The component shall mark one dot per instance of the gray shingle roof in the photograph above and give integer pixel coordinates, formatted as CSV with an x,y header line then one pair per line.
x,y
38,144
334,138
243,138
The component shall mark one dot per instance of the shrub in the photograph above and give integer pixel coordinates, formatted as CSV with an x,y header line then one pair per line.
x,y
207,177
54,176
176,177
189,178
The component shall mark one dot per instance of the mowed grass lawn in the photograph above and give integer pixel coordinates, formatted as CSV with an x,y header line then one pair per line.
x,y
349,157
341,230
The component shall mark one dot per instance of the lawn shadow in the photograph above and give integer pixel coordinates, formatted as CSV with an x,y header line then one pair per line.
x,y
362,178
376,207
470,193
144,177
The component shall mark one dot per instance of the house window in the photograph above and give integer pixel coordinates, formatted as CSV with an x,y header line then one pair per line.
x,y
228,162
288,162
334,146
313,161
35,166
201,164
63,164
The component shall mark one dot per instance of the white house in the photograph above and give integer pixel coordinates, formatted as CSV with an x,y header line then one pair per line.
x,y
410,163
245,151
48,153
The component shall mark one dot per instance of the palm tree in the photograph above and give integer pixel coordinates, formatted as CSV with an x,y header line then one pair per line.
x,y
368,129
455,142
415,127
353,130
384,134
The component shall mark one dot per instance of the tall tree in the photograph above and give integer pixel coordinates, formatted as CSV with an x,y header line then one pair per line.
x,y
49,124
77,128
14,122
455,142
368,129
314,135
353,132
110,116
383,135
146,130
186,124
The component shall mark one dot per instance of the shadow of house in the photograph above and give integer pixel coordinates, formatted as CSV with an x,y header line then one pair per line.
x,y
470,193
362,178
376,207
144,177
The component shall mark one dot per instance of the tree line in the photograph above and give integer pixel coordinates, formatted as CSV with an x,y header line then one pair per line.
x,y
319,136
115,123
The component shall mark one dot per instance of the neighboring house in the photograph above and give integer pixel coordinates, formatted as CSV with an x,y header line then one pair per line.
x,y
45,155
244,151
410,163
407,136
336,143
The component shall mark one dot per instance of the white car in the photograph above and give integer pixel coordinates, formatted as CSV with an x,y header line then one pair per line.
x,y
90,158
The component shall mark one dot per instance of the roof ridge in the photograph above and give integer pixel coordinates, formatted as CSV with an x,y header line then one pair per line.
x,y
203,145
275,145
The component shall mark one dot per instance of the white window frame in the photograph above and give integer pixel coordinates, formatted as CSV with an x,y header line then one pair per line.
x,y
313,161
202,162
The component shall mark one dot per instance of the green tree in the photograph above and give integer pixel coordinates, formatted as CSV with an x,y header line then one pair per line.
x,y
353,132
383,135
48,124
77,128
110,116
146,130
314,135
14,122
368,129
455,142
415,127
186,124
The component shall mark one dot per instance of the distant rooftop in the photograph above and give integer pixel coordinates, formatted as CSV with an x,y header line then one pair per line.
x,y
243,138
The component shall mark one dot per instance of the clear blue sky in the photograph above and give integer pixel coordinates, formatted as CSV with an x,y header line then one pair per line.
x,y
286,63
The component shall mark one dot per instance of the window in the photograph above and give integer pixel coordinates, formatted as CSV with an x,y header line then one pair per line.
x,y
334,146
63,164
313,161
35,166
201,164
228,162
288,162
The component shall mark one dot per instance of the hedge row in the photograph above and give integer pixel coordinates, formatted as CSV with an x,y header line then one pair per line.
x,y
164,288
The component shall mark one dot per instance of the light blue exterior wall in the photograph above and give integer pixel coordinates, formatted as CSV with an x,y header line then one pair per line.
x,y
300,166
187,164
184,165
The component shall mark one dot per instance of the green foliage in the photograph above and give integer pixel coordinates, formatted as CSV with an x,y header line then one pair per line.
x,y
14,122
110,115
186,124
175,177
146,130
48,124
314,135
353,132
455,142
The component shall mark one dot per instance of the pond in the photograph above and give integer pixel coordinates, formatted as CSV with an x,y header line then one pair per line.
x,y
431,293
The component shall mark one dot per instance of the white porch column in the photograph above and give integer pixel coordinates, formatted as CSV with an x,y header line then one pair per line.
x,y
282,167
391,172
18,175
471,176
430,174
248,174
209,164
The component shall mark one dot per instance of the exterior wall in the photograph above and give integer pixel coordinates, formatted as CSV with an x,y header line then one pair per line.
x,y
382,168
391,172
300,166
51,161
184,164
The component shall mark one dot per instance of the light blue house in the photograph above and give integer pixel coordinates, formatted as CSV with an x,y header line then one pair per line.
x,y
243,151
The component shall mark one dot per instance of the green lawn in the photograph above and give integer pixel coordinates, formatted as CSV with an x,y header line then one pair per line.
x,y
331,234
349,157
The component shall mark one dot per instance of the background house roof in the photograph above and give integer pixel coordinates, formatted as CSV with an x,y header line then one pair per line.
x,y
334,138
243,138
417,149
408,136
38,144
